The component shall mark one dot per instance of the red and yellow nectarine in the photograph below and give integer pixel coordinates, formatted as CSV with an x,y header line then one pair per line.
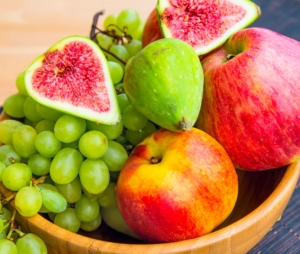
x,y
176,186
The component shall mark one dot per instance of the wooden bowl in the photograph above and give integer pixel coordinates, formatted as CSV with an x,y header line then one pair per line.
x,y
262,198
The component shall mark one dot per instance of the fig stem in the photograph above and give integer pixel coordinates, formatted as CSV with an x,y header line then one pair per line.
x,y
94,39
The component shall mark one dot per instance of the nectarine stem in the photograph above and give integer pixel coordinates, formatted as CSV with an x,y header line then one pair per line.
x,y
155,160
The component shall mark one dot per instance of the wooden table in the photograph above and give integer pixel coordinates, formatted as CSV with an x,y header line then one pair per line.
x,y
28,28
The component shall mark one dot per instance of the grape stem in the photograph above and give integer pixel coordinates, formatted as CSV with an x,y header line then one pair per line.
x,y
93,35
40,180
19,232
118,91
6,200
11,222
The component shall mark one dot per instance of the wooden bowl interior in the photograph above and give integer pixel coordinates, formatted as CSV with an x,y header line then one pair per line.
x,y
254,189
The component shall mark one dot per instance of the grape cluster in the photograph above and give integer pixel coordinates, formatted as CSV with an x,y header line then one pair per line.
x,y
82,158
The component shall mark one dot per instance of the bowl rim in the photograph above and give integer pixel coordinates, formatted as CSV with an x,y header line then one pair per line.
x,y
285,188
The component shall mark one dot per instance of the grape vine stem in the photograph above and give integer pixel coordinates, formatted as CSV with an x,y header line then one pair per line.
x,y
94,38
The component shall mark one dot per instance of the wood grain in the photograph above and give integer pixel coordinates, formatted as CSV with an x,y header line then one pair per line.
x,y
262,198
28,28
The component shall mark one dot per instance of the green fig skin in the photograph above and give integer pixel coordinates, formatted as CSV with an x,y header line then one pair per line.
x,y
164,82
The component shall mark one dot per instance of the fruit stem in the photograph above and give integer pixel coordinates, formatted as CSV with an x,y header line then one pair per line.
x,y
118,91
40,180
19,232
155,160
230,56
11,221
93,35
6,200
12,160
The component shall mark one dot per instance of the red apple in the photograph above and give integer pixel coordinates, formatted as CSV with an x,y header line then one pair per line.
x,y
251,103
176,186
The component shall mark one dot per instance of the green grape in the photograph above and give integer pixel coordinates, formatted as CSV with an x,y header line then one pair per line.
x,y
44,125
28,201
109,199
115,156
136,137
68,220
123,102
39,164
93,225
7,127
71,191
113,218
16,176
47,144
138,34
86,209
24,141
6,214
122,140
3,235
111,20
14,104
69,128
114,175
121,52
104,41
65,166
120,87
74,144
46,186
110,131
116,72
54,201
2,168
93,144
31,244
52,216
20,82
133,120
1,226
133,47
129,19
30,110
94,176
8,155
48,113
8,247
90,195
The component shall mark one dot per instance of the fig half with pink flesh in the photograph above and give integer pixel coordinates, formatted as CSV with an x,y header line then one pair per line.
x,y
205,24
73,77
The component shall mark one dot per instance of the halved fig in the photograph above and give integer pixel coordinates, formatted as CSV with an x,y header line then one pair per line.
x,y
205,24
73,77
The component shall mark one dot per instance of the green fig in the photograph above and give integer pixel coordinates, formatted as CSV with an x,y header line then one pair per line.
x,y
164,82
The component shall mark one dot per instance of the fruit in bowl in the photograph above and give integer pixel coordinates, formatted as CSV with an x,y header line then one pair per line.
x,y
250,103
176,186
63,140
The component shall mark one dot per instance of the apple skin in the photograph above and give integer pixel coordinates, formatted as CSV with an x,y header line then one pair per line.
x,y
251,102
190,192
151,31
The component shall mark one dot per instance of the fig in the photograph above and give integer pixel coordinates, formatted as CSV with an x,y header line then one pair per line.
x,y
204,24
73,77
164,82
